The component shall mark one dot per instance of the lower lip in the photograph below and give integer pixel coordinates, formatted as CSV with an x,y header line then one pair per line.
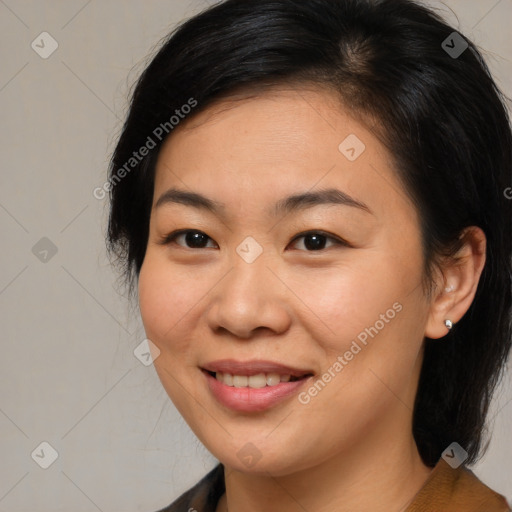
x,y
252,399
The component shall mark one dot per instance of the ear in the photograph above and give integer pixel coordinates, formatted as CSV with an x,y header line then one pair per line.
x,y
456,283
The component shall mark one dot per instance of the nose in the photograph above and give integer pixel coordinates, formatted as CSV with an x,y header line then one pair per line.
x,y
250,297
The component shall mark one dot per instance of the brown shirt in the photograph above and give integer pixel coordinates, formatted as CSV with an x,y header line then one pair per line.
x,y
446,490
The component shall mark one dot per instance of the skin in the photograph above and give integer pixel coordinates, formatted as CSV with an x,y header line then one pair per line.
x,y
351,447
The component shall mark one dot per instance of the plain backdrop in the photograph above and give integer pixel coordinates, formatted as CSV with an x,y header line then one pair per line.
x,y
68,374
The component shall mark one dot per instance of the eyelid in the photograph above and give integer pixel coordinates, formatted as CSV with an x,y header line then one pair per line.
x,y
170,238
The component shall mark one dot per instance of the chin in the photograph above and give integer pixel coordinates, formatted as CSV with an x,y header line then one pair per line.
x,y
259,458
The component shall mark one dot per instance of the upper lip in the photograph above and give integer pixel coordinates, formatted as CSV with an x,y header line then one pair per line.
x,y
253,367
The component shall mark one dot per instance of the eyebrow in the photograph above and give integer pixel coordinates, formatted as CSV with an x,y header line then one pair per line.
x,y
296,202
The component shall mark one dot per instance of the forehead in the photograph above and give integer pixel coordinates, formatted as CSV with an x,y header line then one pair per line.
x,y
275,119
249,149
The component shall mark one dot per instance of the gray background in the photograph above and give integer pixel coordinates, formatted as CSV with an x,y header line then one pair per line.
x,y
68,375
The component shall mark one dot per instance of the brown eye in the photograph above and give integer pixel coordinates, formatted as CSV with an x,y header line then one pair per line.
x,y
316,241
192,239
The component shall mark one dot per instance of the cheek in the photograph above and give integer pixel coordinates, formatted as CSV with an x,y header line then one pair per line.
x,y
343,301
162,299
152,298
171,300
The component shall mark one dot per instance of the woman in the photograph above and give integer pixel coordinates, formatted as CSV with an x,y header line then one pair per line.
x,y
311,196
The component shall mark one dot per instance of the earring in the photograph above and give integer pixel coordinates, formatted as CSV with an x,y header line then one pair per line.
x,y
449,289
448,324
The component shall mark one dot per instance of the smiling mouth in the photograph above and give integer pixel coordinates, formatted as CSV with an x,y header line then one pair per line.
x,y
257,381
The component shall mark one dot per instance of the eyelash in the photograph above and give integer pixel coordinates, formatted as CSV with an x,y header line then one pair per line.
x,y
171,237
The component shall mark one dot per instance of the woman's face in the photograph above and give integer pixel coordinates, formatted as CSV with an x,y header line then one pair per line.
x,y
248,293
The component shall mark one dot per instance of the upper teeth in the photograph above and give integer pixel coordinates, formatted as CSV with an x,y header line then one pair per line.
x,y
254,381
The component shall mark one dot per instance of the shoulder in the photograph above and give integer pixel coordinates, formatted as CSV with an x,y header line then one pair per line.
x,y
454,490
484,498
203,496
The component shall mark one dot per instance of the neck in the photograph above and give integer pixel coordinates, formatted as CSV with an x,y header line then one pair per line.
x,y
367,477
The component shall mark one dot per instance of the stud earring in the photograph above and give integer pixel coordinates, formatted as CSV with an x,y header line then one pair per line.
x,y
448,324
449,288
